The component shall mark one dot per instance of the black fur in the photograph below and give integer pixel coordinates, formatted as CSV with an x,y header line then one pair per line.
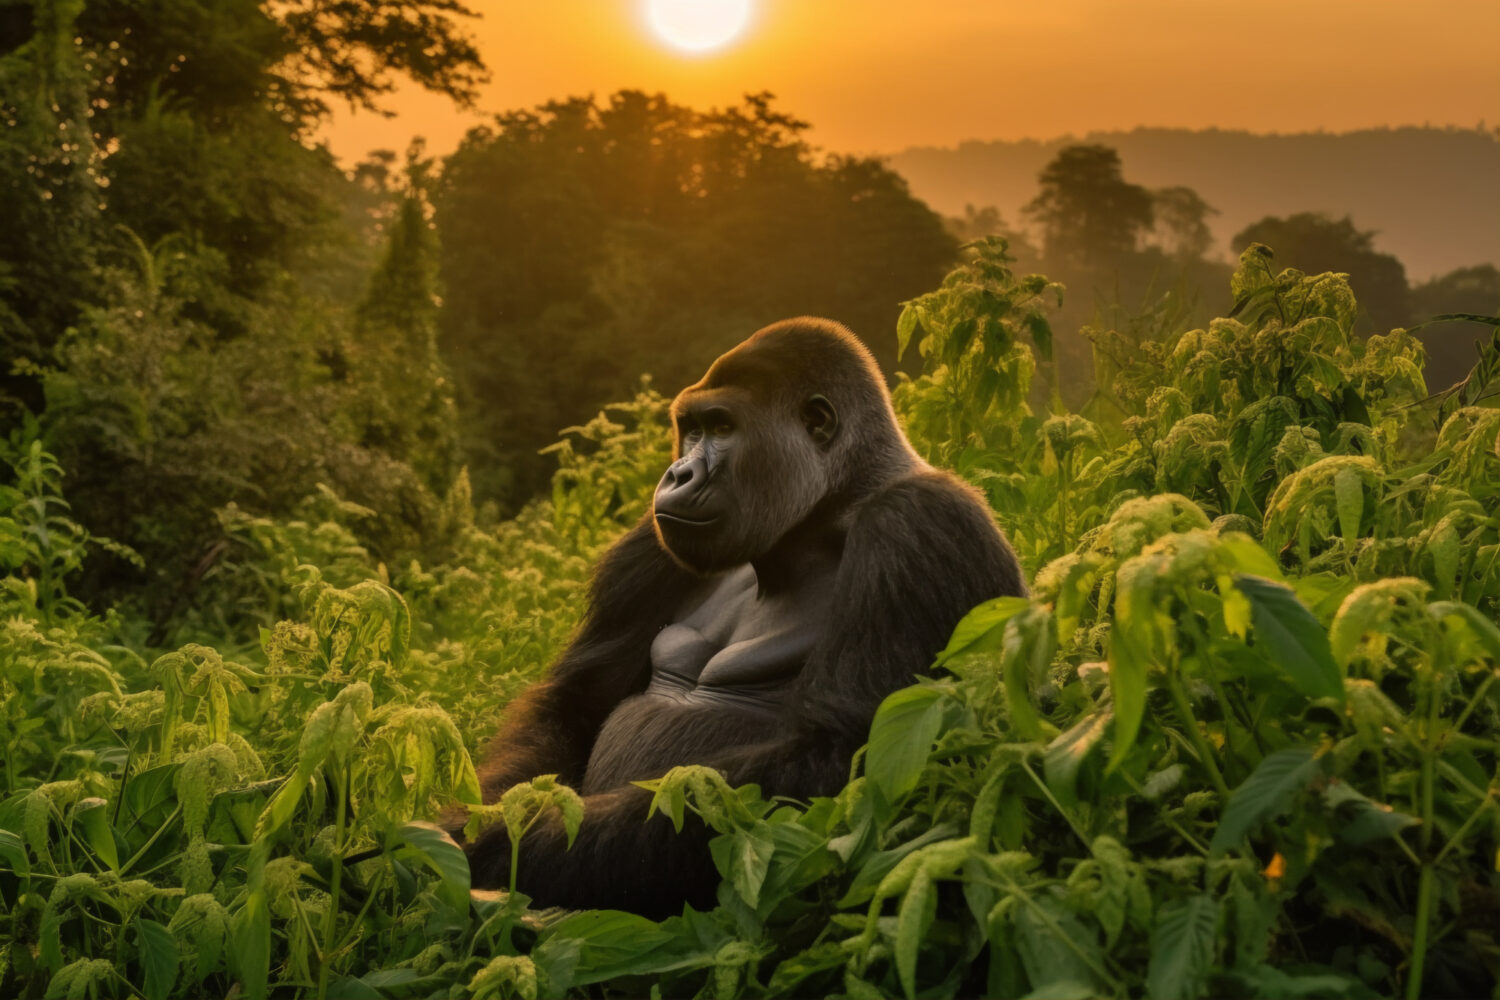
x,y
913,548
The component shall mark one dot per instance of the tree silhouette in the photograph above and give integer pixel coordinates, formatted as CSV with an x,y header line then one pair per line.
x,y
584,243
1181,222
1089,214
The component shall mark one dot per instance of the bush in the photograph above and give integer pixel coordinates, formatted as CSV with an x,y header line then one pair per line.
x,y
1240,741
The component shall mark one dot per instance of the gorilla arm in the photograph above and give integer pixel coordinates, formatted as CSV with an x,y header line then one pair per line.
x,y
551,728
918,556
921,553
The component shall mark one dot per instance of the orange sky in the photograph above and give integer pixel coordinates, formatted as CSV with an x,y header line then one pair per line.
x,y
876,76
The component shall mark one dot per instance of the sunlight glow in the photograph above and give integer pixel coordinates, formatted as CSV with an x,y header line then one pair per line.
x,y
698,25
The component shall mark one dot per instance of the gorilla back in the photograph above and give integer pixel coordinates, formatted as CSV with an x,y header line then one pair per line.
x,y
800,563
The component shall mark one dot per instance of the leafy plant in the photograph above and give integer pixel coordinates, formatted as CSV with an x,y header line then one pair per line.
x,y
1241,739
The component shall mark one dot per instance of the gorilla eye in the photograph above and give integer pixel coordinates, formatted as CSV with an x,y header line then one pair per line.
x,y
719,426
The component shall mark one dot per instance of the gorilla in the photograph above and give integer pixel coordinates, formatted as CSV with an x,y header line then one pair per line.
x,y
800,562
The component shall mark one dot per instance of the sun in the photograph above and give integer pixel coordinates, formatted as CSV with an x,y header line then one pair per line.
x,y
698,25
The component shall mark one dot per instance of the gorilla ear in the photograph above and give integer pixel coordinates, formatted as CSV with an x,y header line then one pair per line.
x,y
821,419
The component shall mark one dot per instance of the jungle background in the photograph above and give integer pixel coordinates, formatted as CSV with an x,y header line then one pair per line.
x,y
306,463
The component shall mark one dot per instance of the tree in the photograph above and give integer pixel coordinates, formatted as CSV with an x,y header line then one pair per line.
x,y
164,277
405,391
1089,214
584,243
1181,222
1451,347
1314,242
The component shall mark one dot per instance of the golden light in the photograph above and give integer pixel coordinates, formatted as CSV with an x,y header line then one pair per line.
x,y
698,25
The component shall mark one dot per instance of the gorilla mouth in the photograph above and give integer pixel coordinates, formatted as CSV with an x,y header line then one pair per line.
x,y
679,519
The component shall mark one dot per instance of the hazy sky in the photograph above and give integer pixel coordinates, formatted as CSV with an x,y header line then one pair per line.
x,y
881,75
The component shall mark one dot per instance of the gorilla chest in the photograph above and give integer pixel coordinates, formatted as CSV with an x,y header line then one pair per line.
x,y
735,646
719,677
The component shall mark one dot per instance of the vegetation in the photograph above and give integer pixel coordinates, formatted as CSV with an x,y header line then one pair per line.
x,y
1242,740
256,616
584,244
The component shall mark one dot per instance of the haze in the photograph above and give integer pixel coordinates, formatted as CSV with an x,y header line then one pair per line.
x,y
877,76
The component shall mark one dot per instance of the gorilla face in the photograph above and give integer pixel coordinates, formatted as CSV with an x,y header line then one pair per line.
x,y
743,477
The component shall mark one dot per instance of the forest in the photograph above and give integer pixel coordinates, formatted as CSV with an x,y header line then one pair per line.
x,y
305,468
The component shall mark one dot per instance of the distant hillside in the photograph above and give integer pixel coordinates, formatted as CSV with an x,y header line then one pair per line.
x,y
1433,194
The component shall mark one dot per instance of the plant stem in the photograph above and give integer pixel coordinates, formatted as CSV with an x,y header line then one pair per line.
x,y
1419,935
1190,723
153,839
330,917
1424,884
1047,792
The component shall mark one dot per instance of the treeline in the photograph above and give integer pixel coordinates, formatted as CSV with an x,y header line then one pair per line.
x,y
1128,253
584,243
198,307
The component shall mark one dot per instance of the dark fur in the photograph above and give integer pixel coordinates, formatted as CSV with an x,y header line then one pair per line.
x,y
919,549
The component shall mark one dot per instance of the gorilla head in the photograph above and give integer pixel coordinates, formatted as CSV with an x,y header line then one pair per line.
x,y
779,427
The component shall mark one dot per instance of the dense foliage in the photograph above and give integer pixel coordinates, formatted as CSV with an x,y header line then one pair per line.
x,y
1242,740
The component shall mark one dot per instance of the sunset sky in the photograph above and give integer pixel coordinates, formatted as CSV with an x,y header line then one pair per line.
x,y
877,76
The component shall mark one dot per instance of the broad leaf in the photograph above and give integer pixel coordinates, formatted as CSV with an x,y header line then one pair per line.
x,y
435,849
1292,637
901,737
158,958
1182,948
1270,790
1066,754
918,908
980,630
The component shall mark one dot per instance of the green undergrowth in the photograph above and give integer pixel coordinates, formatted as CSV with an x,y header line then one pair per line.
x,y
1240,741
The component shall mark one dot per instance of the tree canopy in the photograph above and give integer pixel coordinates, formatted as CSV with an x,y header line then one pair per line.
x,y
1087,211
585,242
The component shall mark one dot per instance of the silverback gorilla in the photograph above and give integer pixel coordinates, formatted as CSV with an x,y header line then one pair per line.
x,y
799,564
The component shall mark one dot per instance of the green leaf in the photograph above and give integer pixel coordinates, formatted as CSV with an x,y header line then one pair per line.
x,y
1182,948
1484,630
146,801
1066,754
1272,788
901,737
1058,949
1248,556
13,850
251,954
158,958
434,848
1361,820
981,629
906,325
820,958
609,943
1292,638
986,803
282,806
92,814
1025,651
918,908
1129,655
1041,334
349,988
1349,496
749,858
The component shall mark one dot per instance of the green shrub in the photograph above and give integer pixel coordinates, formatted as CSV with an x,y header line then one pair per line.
x,y
1240,741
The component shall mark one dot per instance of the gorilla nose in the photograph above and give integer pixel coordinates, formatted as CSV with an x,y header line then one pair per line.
x,y
679,473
